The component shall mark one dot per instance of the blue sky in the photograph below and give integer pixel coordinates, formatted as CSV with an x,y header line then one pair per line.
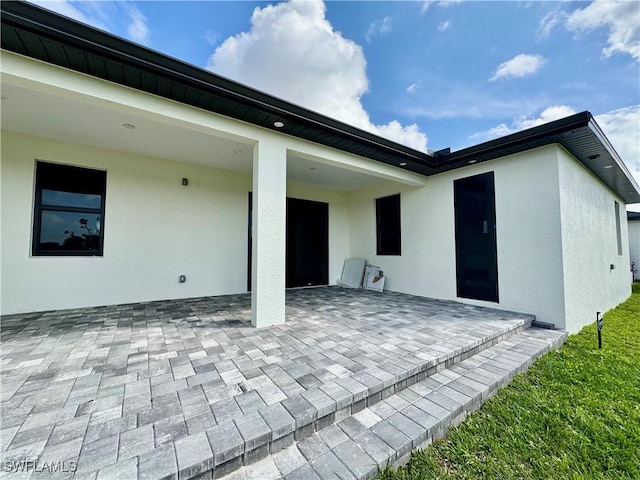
x,y
428,74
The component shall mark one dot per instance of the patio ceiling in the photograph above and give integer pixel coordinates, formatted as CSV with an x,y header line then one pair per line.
x,y
25,110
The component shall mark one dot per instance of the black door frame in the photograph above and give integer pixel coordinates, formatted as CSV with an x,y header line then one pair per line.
x,y
325,279
486,182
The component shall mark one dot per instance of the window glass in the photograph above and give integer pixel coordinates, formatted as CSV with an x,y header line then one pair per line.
x,y
70,199
388,238
61,230
69,210
618,228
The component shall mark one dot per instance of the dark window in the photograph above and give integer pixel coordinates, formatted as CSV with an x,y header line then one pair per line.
x,y
618,228
69,210
388,225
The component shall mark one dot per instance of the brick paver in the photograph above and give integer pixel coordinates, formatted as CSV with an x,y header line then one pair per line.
x,y
189,384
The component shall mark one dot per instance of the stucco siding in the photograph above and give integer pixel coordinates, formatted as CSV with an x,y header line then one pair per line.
x,y
528,235
634,245
155,229
590,245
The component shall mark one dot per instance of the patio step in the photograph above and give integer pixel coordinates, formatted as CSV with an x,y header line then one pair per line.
x,y
248,437
386,431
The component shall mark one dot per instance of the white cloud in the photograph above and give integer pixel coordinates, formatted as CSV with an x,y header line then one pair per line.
x,y
293,52
103,15
211,37
519,66
442,3
379,27
67,9
622,128
137,30
551,21
413,88
523,122
444,25
549,114
621,18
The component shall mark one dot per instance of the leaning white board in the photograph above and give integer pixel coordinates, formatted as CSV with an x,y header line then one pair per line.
x,y
352,272
373,280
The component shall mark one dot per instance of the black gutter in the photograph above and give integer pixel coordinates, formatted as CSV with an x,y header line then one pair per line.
x,y
541,132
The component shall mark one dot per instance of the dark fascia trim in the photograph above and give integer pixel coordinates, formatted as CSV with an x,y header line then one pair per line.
x,y
633,216
43,22
597,131
557,127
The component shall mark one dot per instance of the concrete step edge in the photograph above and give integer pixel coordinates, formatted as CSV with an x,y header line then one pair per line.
x,y
386,432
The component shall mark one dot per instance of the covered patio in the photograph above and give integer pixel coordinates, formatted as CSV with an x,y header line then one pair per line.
x,y
152,389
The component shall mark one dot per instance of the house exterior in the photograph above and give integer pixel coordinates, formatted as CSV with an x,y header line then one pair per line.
x,y
633,219
128,176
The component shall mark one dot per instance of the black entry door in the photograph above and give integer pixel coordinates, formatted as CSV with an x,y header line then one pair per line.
x,y
307,243
476,254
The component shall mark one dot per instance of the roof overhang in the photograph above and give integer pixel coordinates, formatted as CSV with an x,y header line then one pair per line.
x,y
579,134
633,216
43,35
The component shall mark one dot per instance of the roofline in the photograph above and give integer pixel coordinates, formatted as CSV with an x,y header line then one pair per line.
x,y
560,126
247,104
595,128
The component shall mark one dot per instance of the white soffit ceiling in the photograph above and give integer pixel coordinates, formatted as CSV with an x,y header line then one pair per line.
x,y
38,113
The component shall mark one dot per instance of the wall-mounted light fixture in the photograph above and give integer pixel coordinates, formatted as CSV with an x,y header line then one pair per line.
x,y
278,124
185,181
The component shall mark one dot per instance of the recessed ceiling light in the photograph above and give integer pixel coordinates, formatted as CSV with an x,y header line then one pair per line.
x,y
238,152
278,124
608,166
128,126
472,161
403,164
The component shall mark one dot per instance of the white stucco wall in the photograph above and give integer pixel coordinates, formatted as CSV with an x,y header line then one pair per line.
x,y
31,284
634,245
155,230
589,244
556,238
528,235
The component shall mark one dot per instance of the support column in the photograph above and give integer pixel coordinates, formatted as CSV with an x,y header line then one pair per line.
x,y
268,255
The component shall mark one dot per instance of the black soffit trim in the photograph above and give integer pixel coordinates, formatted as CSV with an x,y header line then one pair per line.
x,y
38,33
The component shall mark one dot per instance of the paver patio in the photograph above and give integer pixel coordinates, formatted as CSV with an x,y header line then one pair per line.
x,y
168,388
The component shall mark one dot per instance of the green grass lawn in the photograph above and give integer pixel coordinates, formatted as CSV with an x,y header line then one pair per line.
x,y
574,414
